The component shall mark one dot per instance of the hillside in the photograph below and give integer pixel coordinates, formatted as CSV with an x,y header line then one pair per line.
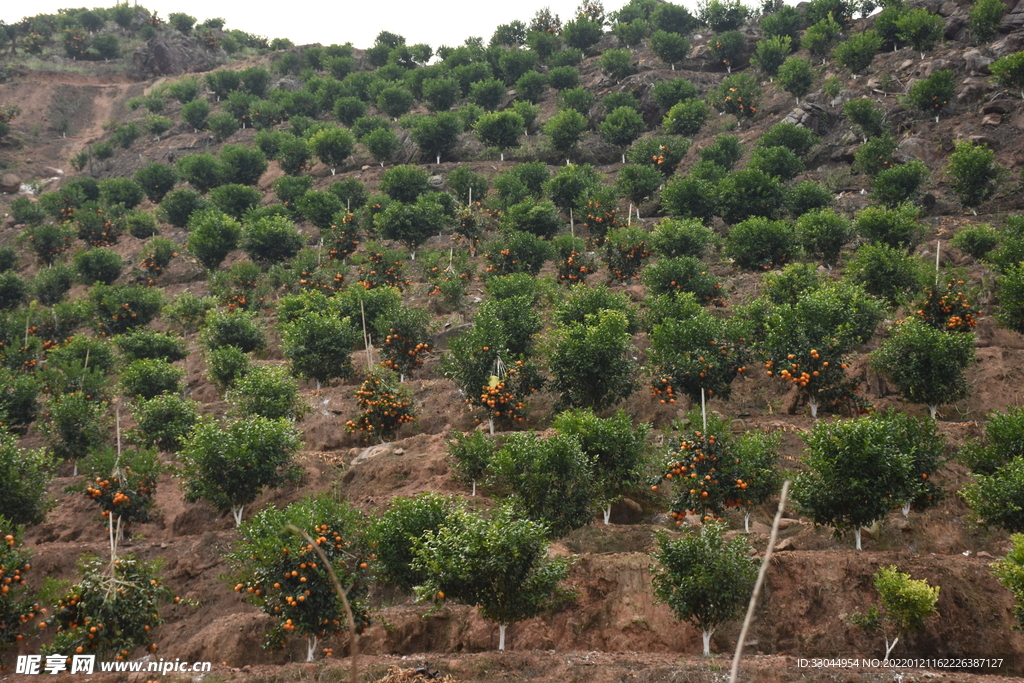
x,y
356,164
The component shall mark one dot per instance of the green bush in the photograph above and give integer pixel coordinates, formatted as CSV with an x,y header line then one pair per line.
x,y
617,63
973,172
395,532
668,94
622,126
51,285
762,244
749,193
723,15
212,236
237,329
565,129
672,238
867,116
771,52
223,125
178,206
823,233
562,78
920,29
271,239
13,290
899,184
683,274
578,99
857,51
226,365
995,498
625,253
156,180
72,428
24,477
662,152
687,117
150,377
164,422
404,183
690,197
976,240
244,165
931,94
728,47
582,301
898,227
779,162
266,392
796,138
98,265
820,37
796,76
876,155
1008,71
203,171
25,211
591,363
146,344
886,272
235,200
638,183
738,95
807,196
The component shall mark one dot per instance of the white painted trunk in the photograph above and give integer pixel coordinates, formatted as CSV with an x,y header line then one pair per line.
x,y
746,523
490,423
814,407
502,155
608,513
237,512
889,646
856,535
311,642
438,157
332,171
707,641
623,157
75,473
474,489
932,410
501,636
906,509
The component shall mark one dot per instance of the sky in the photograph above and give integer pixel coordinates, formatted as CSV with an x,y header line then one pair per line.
x,y
435,22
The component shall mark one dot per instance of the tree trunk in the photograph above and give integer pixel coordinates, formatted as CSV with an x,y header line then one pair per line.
x,y
607,513
501,636
906,509
889,646
707,641
746,523
814,406
932,410
474,489
490,423
856,535
236,510
311,642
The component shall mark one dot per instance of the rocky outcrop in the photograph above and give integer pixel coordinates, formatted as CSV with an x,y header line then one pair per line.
x,y
172,54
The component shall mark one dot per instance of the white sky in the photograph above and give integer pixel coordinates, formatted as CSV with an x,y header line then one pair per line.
x,y
435,22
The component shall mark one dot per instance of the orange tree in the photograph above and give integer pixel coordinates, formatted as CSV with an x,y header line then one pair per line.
x,y
858,470
489,375
229,463
386,405
708,473
281,573
591,362
123,485
948,308
392,534
500,565
17,604
926,364
616,446
701,352
703,578
403,338
319,345
112,610
24,477
625,253
806,342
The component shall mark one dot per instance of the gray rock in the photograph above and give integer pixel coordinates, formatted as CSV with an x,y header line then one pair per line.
x,y
10,183
977,63
916,148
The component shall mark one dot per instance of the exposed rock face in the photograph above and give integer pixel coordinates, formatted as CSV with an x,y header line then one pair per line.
x,y
168,55
10,183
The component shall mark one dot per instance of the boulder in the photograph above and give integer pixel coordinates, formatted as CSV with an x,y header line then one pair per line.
x,y
977,63
10,183
916,148
626,511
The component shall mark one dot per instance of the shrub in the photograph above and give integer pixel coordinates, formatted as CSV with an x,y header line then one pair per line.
x,y
562,78
638,183
823,233
807,196
1009,573
245,165
625,253
856,474
682,274
867,116
689,565
1008,71
796,76
921,29
857,51
933,93
771,52
590,362
394,533
164,421
985,16
898,227
266,392
749,193
51,285
270,240
762,244
72,427
728,47
723,15
24,477
703,353
146,344
565,129
150,377
737,94
235,200
926,364
668,94
796,138
98,265
976,240
581,33
13,290
899,184
886,272
156,180
821,36
229,464
386,404
672,238
725,151
212,236
690,197
617,63
974,173
500,565
223,125
404,183
319,346
906,605
779,162
226,365
687,117
577,99
237,329
178,206
501,130
622,126
203,171
663,152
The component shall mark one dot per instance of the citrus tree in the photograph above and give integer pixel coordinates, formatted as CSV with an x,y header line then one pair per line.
x,y
287,578
1010,572
973,173
230,463
615,445
807,342
1009,71
906,604
24,476
386,404
472,453
17,601
122,485
392,535
499,565
701,354
926,364
551,479
996,499
319,346
112,610
704,579
591,363
501,129
857,470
